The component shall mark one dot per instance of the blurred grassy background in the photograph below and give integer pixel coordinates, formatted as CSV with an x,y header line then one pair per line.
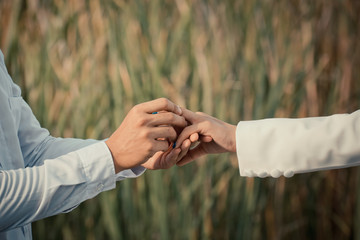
x,y
83,64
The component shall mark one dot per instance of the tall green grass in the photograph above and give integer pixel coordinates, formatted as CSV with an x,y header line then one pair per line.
x,y
83,64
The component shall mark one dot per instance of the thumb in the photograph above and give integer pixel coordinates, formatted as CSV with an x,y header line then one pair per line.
x,y
186,133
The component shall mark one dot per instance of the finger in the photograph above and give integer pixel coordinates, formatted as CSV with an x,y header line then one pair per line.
x,y
194,137
206,138
168,118
163,133
189,115
160,104
158,146
186,133
152,163
185,146
192,155
171,158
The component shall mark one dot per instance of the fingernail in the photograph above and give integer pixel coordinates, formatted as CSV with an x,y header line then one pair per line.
x,y
155,113
174,145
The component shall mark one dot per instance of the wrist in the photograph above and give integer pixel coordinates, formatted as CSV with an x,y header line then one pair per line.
x,y
117,167
232,136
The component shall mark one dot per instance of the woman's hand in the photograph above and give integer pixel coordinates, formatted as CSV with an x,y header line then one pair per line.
x,y
215,136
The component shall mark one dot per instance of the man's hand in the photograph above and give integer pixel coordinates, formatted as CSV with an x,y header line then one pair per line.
x,y
142,134
215,136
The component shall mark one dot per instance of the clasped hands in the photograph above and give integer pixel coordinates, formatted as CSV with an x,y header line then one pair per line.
x,y
159,141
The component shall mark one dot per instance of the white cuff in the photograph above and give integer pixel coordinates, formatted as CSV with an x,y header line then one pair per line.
x,y
255,154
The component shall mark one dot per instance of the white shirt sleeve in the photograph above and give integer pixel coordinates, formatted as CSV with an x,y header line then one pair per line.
x,y
275,147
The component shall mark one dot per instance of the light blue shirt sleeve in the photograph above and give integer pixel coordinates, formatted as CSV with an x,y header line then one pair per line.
x,y
56,186
40,175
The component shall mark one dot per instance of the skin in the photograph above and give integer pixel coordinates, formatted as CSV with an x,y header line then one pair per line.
x,y
215,136
165,160
146,139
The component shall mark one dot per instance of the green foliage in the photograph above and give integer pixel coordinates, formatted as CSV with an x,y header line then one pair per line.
x,y
83,64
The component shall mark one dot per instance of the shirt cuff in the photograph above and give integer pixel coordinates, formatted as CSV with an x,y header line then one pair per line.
x,y
127,173
98,167
130,173
254,148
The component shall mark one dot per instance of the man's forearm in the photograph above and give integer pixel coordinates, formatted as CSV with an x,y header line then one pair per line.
x,y
57,186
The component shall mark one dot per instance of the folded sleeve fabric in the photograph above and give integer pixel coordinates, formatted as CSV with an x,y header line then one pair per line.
x,y
276,147
29,194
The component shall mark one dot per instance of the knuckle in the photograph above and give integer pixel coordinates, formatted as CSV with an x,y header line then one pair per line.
x,y
202,114
164,102
136,107
184,122
171,117
141,121
206,124
145,134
